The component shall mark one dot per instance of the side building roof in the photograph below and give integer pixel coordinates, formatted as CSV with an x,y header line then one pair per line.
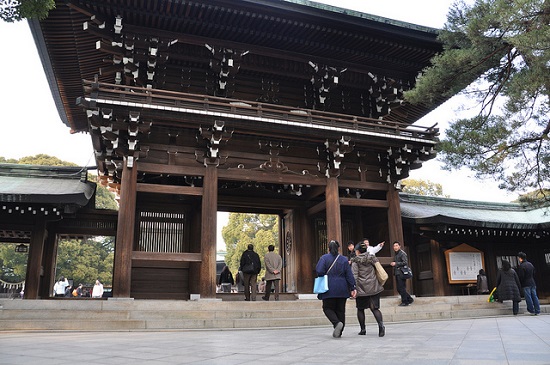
x,y
434,210
31,184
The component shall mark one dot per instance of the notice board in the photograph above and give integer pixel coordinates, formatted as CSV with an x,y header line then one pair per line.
x,y
463,264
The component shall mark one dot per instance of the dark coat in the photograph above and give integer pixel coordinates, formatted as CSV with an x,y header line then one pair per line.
x,y
526,273
400,261
364,272
226,277
251,256
508,285
340,279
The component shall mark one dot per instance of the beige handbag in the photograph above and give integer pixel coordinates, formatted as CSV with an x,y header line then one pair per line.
x,y
381,274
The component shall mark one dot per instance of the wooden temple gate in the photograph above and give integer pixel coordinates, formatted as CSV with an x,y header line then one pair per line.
x,y
289,108
268,177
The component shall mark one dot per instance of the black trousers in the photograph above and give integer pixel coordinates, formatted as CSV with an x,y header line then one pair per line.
x,y
401,283
335,310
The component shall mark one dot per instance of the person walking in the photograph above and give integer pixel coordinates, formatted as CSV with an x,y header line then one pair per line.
x,y
60,286
368,288
526,273
508,286
401,261
97,290
250,267
226,280
341,284
273,266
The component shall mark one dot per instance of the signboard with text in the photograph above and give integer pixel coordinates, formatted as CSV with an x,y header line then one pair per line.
x,y
463,264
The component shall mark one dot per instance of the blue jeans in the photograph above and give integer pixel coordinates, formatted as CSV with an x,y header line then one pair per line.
x,y
531,299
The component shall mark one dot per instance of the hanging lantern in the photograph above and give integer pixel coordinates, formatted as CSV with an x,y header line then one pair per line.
x,y
21,248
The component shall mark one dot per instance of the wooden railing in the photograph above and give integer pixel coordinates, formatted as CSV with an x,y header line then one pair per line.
x,y
177,101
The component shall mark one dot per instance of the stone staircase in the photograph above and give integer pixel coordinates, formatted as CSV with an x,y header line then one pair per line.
x,y
158,315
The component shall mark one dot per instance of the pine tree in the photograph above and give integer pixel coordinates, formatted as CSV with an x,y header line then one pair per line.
x,y
505,45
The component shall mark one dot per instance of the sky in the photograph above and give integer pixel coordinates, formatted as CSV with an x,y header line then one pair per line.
x,y
30,124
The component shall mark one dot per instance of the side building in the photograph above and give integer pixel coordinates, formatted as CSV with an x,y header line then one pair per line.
x,y
449,240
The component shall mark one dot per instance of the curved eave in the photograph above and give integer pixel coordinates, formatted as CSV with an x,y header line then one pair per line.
x,y
41,48
440,211
45,191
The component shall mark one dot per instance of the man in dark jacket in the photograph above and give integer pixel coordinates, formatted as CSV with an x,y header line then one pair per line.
x,y
250,267
526,273
401,261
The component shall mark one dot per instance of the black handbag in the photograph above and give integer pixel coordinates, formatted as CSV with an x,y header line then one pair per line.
x,y
249,268
407,272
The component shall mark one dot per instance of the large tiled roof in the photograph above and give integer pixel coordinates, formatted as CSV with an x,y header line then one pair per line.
x,y
288,34
433,210
44,185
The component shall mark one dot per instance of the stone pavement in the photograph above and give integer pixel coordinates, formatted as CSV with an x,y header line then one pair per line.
x,y
518,340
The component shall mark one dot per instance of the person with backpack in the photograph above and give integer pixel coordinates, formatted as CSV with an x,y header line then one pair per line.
x,y
250,267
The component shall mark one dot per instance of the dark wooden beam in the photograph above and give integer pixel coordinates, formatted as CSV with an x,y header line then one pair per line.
x,y
268,177
363,185
166,256
169,189
170,169
367,203
317,208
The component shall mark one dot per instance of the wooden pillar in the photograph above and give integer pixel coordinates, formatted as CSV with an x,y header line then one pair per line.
x,y
122,270
34,262
395,225
208,232
303,247
193,221
49,263
438,269
334,221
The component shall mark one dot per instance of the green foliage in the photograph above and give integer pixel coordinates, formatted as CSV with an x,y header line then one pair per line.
x,y
104,199
13,264
422,187
261,230
16,10
7,160
533,198
505,46
86,260
43,160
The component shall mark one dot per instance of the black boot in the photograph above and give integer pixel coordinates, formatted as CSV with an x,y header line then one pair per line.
x,y
381,329
363,332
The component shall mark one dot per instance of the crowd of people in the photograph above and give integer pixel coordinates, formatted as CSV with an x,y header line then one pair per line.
x,y
356,277
246,278
63,288
352,276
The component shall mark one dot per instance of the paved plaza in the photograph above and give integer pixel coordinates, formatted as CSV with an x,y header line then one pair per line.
x,y
518,340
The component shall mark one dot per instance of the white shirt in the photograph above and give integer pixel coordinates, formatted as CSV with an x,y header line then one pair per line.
x,y
374,249
59,287
97,291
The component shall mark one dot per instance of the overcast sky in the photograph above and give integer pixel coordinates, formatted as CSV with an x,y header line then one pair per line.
x,y
31,125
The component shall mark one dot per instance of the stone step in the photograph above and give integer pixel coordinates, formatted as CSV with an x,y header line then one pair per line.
x,y
139,315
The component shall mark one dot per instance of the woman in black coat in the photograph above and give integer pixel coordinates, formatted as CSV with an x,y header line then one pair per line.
x,y
508,286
